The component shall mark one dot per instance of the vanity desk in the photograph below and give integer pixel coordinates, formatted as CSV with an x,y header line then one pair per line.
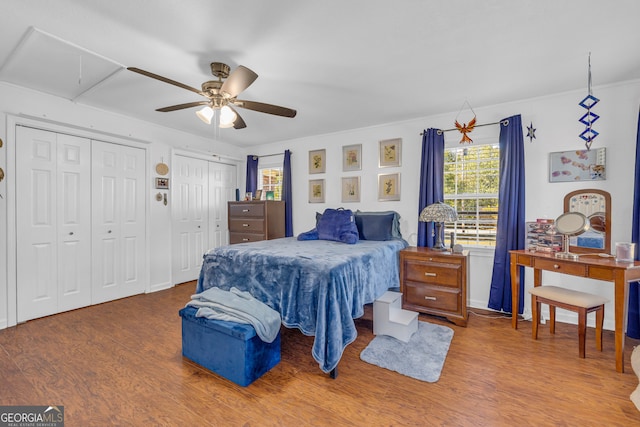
x,y
590,266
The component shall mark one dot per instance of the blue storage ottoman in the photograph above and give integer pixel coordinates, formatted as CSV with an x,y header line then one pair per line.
x,y
232,350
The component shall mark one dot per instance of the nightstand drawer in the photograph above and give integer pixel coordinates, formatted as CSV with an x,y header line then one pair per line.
x,y
427,272
446,299
246,225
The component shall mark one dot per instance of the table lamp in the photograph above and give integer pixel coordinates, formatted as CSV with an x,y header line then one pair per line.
x,y
439,213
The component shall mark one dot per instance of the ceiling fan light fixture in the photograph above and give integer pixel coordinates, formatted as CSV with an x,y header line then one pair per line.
x,y
205,114
227,117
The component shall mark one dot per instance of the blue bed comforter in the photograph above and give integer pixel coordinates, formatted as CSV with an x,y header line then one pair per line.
x,y
317,286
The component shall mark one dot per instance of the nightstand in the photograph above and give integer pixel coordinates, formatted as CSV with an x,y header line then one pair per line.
x,y
435,282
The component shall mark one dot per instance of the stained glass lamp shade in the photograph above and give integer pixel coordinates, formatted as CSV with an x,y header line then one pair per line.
x,y
438,213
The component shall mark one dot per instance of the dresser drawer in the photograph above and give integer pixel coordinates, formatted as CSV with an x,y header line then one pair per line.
x,y
246,225
246,209
244,238
445,299
560,266
427,272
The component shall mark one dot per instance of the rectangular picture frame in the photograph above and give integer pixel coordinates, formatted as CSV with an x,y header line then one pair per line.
x,y
350,189
258,195
389,187
578,165
317,161
352,157
390,153
162,183
316,191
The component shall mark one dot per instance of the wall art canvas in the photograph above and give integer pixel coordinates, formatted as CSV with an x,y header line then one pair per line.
x,y
577,165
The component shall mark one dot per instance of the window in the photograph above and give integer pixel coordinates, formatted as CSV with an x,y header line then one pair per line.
x,y
471,177
270,179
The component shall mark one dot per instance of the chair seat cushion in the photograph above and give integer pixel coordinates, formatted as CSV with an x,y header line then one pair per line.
x,y
568,296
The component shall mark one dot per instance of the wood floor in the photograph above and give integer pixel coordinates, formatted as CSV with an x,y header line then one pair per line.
x,y
120,363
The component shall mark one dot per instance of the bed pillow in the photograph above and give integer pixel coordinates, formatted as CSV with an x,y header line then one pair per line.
x,y
338,225
378,225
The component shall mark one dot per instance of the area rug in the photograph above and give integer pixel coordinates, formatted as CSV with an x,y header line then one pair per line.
x,y
421,358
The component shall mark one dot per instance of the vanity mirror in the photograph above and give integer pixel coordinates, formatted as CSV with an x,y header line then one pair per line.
x,y
595,205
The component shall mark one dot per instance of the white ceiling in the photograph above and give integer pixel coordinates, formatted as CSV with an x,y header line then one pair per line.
x,y
340,64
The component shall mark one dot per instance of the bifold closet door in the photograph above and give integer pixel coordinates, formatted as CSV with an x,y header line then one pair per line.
x,y
118,217
190,217
53,222
222,188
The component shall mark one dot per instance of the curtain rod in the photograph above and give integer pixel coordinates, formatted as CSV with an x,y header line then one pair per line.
x,y
502,122
268,155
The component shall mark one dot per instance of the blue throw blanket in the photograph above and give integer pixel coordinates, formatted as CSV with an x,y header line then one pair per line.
x,y
317,286
240,307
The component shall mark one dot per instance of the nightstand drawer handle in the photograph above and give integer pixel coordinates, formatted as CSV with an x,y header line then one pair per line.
x,y
245,225
431,298
245,210
244,239
430,274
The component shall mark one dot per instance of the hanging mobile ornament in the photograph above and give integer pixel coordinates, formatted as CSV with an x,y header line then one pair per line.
x,y
466,128
589,134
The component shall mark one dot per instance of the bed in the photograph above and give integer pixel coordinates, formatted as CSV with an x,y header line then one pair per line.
x,y
317,286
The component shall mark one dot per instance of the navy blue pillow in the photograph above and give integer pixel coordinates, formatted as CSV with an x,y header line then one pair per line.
x,y
376,226
337,225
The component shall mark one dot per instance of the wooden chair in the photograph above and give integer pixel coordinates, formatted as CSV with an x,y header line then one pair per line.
x,y
568,299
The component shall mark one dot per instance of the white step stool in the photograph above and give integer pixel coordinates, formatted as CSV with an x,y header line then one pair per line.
x,y
389,318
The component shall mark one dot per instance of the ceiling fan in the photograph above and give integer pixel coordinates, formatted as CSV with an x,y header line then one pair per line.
x,y
221,96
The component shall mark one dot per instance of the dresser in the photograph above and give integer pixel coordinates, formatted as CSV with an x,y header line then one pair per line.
x,y
255,220
435,282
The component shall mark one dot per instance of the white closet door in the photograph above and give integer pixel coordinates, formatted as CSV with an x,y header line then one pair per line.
x,y
222,188
190,217
118,213
53,222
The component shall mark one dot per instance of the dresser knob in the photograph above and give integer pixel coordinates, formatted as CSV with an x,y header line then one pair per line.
x,y
245,225
245,210
556,266
245,239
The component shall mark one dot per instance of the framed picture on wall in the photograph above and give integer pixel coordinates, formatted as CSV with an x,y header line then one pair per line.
x,y
389,186
316,191
352,157
317,161
162,183
351,189
390,152
577,165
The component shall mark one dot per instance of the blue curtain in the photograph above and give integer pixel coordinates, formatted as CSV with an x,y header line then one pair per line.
x,y
252,174
431,181
633,321
511,215
287,194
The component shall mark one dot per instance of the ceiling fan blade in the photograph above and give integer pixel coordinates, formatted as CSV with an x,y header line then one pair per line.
x,y
240,79
182,106
238,122
265,108
165,80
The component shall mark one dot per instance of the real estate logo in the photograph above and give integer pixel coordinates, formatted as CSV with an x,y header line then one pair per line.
x,y
31,416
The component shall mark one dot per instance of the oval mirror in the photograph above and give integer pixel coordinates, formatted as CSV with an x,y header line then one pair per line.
x,y
572,223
